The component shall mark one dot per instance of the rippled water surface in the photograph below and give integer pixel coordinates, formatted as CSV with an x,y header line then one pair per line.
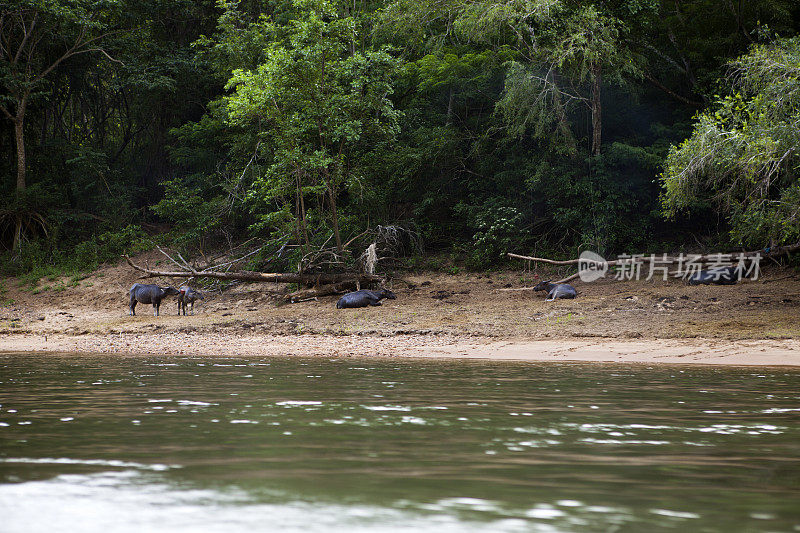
x,y
288,444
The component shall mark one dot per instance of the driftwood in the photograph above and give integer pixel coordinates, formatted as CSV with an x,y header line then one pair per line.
x,y
322,290
615,262
247,275
661,259
333,288
565,280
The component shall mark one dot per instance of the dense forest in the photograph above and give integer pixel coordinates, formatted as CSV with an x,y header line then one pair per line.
x,y
477,127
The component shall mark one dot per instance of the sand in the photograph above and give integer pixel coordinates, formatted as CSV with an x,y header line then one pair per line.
x,y
434,315
656,351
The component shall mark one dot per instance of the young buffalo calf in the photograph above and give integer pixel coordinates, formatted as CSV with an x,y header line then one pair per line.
x,y
187,295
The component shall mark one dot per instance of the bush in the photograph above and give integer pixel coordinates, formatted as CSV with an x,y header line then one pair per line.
x,y
42,257
496,229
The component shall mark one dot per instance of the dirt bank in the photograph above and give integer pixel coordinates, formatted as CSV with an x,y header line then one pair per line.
x,y
464,315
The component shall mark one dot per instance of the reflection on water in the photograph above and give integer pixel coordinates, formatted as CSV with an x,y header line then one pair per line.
x,y
295,444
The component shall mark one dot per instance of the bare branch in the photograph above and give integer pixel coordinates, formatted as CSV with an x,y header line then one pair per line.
x,y
77,48
8,115
670,92
165,254
661,259
27,33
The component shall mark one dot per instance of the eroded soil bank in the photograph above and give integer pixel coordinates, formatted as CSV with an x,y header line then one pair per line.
x,y
465,315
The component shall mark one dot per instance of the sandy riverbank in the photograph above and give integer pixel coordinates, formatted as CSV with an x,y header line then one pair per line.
x,y
436,315
655,351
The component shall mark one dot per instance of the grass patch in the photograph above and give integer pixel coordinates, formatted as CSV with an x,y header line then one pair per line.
x,y
3,292
59,287
79,277
47,272
44,258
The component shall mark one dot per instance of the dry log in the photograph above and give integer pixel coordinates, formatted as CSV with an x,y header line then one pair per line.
x,y
322,290
544,260
247,275
565,280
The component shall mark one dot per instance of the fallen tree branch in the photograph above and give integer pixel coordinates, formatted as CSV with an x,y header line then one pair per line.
x,y
165,254
565,280
767,252
247,275
544,260
661,259
568,278
322,290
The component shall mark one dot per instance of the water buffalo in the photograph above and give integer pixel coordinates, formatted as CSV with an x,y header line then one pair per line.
x,y
716,276
556,290
187,295
363,298
148,294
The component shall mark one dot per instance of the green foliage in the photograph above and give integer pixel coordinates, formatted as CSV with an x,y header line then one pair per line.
x,y
316,103
237,43
776,221
497,228
488,127
197,219
742,157
43,258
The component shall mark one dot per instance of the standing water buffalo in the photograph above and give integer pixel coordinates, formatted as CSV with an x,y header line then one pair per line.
x,y
556,290
717,276
148,294
187,295
363,298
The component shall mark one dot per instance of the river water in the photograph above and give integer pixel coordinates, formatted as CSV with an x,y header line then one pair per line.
x,y
150,444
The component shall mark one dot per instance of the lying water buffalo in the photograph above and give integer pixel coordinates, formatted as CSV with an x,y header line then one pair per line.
x,y
556,290
363,298
716,276
187,295
149,294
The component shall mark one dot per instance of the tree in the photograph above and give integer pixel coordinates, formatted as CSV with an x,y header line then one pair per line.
x,y
563,53
743,157
318,103
36,36
578,51
687,44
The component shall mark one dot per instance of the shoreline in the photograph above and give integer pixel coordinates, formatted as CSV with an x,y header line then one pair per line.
x,y
435,316
694,351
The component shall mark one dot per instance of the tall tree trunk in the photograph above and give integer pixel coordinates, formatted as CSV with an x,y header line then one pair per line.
x,y
597,119
297,232
450,108
330,185
301,208
335,219
19,137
